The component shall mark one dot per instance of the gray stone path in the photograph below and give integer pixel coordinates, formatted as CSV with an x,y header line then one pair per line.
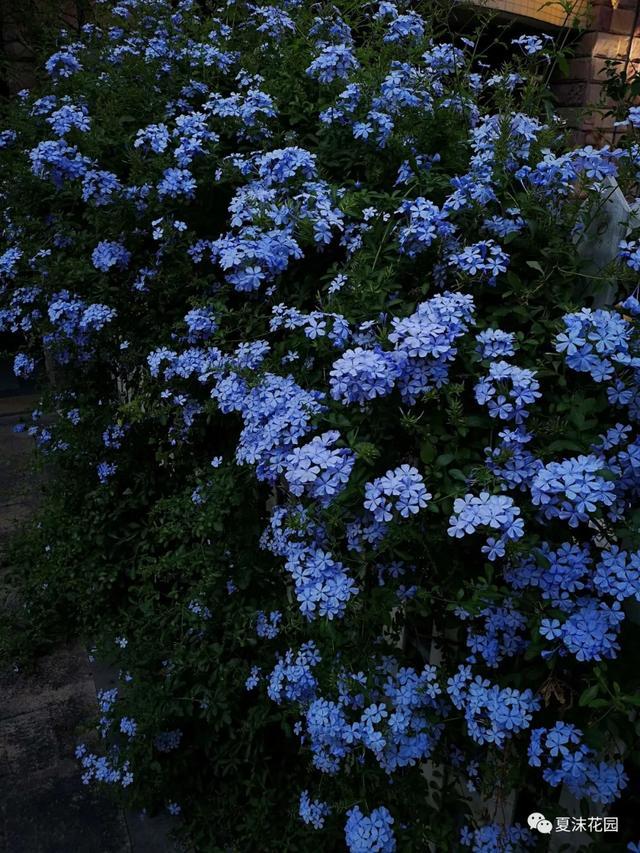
x,y
44,807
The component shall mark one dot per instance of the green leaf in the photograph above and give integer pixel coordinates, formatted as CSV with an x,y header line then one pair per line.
x,y
444,459
588,695
606,474
427,452
564,444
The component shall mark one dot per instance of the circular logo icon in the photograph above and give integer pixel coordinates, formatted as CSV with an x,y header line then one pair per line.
x,y
534,819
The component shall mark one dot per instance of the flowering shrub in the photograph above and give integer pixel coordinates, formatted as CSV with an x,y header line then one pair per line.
x,y
345,452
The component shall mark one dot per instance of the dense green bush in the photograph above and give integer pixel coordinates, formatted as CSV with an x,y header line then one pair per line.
x,y
343,457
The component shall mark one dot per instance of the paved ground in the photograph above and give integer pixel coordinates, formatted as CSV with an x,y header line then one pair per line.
x,y
44,807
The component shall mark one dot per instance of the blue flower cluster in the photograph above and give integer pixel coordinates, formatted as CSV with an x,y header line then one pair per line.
x,y
319,469
590,616
501,637
618,574
363,374
494,837
484,260
402,490
201,324
322,585
425,342
492,714
267,627
292,679
573,490
313,812
103,768
566,760
73,323
395,727
23,365
493,343
371,832
426,224
334,62
595,342
497,512
507,391
108,254
276,413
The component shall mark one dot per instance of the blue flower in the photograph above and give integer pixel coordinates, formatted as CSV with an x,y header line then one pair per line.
x,y
372,832
618,574
568,761
100,187
108,254
572,489
313,812
201,324
9,262
532,45
360,375
128,726
405,27
70,117
551,629
23,365
493,343
106,470
335,61
268,628
594,342
425,342
492,714
400,489
497,512
63,64
292,678
485,259
177,182
319,469
427,223
155,136
507,391
494,837
253,679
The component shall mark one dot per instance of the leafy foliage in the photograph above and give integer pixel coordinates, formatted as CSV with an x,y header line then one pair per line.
x,y
345,455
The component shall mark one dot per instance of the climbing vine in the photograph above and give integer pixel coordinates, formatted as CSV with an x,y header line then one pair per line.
x,y
342,422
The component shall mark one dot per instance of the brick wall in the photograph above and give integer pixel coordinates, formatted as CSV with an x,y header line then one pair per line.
x,y
614,34
23,25
540,11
